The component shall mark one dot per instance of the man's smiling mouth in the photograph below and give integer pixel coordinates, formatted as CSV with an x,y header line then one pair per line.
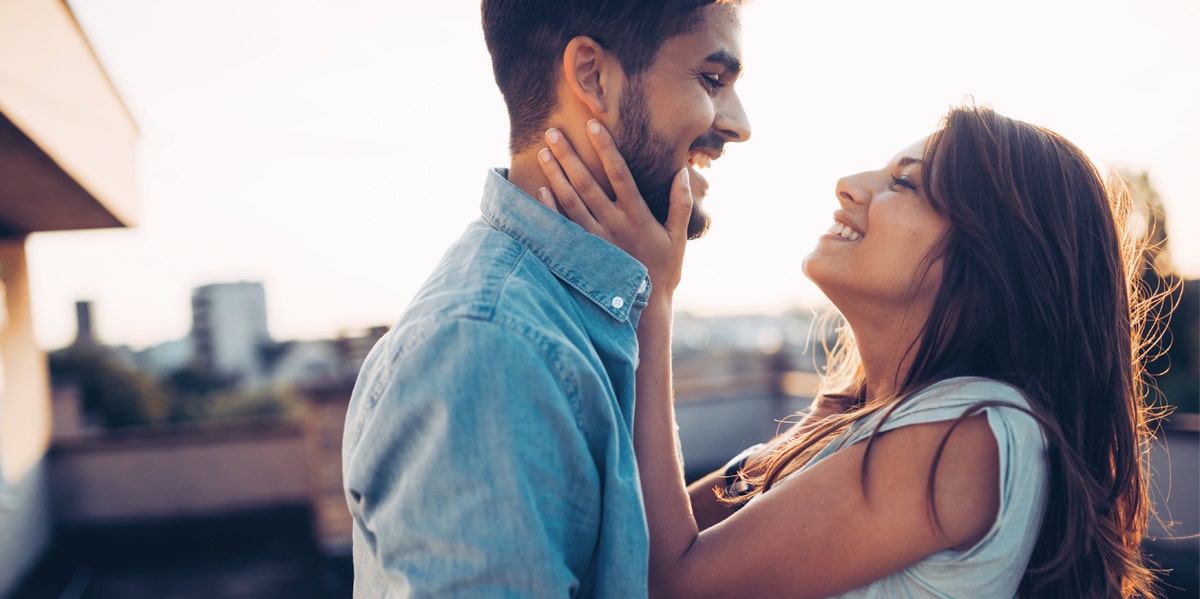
x,y
702,157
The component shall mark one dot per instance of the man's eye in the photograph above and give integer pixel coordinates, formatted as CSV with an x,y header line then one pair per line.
x,y
712,81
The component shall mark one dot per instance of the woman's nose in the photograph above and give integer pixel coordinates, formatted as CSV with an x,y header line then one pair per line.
x,y
852,189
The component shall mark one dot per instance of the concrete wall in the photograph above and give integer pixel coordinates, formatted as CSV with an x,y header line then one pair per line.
x,y
24,384
24,425
67,146
25,527
178,474
323,423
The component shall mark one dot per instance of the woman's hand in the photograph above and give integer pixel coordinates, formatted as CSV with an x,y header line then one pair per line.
x,y
626,222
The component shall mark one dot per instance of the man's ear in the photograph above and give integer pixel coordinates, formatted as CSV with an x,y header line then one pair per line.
x,y
592,74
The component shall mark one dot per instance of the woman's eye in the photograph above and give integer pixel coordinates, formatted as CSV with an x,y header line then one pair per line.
x,y
905,182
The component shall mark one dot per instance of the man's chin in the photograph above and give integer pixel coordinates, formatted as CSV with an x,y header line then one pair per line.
x,y
699,222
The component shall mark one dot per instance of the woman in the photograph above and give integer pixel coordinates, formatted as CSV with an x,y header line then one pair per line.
x,y
981,427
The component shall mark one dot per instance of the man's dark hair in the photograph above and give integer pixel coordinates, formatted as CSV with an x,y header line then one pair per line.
x,y
526,39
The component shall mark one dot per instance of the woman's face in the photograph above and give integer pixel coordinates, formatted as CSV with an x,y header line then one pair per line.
x,y
874,254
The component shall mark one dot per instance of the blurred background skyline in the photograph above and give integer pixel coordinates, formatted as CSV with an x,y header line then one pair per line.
x,y
333,149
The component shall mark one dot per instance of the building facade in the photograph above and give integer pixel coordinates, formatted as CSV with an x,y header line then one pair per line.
x,y
67,148
229,330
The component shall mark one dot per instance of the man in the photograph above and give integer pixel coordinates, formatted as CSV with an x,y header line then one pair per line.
x,y
488,443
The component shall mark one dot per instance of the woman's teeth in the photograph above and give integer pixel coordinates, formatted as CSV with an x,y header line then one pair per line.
x,y
845,232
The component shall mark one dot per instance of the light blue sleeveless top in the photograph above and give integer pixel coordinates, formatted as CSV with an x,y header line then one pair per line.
x,y
994,566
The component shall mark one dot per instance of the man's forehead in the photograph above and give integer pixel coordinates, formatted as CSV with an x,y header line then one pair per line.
x,y
716,38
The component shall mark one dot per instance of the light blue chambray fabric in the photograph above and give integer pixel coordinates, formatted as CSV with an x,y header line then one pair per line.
x,y
488,448
993,568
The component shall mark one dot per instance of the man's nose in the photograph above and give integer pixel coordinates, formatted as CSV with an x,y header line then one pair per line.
x,y
731,121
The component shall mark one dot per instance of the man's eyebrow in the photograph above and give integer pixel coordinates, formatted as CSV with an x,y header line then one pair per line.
x,y
731,62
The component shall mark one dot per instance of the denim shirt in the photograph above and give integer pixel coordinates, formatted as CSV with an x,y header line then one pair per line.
x,y
488,446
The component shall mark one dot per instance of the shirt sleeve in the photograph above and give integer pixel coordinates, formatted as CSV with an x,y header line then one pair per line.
x,y
470,476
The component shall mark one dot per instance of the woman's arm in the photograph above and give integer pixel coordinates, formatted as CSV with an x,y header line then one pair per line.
x,y
707,506
627,223
829,529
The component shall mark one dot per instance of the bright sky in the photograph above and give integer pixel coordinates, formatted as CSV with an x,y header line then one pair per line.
x,y
332,149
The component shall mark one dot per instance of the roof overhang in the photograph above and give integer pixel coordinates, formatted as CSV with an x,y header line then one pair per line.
x,y
67,141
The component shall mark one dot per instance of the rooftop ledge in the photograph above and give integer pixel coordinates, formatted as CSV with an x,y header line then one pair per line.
x,y
1183,421
67,141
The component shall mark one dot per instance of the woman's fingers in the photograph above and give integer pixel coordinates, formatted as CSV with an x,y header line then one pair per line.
x,y
546,198
629,199
583,185
563,192
627,223
680,211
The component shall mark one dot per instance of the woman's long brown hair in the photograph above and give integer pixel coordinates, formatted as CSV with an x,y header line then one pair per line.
x,y
1039,289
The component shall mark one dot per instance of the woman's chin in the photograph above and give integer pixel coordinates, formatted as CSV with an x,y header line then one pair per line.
x,y
813,265
805,268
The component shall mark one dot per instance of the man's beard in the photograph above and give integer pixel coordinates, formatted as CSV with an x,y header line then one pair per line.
x,y
651,159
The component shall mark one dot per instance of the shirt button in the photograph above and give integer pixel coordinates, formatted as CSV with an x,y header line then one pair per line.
x,y
618,302
642,287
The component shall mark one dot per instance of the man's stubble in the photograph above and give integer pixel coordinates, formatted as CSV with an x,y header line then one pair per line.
x,y
650,158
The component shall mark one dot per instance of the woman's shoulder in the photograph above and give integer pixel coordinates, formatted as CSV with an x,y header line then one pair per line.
x,y
972,388
997,560
1008,410
948,399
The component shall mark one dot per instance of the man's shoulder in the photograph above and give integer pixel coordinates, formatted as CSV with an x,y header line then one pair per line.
x,y
449,356
488,276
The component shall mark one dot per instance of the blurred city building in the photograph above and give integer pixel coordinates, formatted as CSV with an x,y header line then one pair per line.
x,y
230,340
229,330
67,145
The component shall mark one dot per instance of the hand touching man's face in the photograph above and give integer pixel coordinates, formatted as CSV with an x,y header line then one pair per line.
x,y
683,110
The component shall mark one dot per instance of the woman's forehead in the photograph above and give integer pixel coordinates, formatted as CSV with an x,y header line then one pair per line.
x,y
913,153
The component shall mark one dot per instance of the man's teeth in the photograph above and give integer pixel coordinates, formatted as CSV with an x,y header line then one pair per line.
x,y
841,230
700,160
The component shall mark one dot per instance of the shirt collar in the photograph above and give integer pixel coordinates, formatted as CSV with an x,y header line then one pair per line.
x,y
602,272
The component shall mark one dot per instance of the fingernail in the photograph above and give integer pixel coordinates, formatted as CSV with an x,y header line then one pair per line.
x,y
687,178
545,155
594,126
544,194
552,135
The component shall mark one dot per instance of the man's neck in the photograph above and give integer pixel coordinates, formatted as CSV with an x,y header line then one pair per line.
x,y
526,173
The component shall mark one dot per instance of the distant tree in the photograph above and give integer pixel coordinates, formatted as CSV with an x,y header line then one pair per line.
x,y
197,394
113,393
190,388
268,403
